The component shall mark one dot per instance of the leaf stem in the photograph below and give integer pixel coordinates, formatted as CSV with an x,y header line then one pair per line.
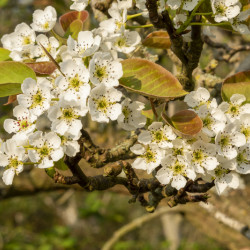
x,y
133,16
153,108
204,14
209,24
139,26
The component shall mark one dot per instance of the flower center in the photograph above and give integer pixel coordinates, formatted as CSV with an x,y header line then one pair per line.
x,y
246,132
68,114
219,172
26,40
198,156
224,141
233,109
44,151
240,158
37,99
220,8
46,25
206,122
178,168
100,72
24,124
157,135
121,42
75,83
177,151
149,156
14,163
126,112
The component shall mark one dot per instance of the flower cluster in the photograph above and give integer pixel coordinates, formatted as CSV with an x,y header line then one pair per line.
x,y
229,11
89,72
87,83
218,152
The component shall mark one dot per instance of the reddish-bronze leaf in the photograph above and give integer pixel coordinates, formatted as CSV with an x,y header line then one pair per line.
x,y
150,79
11,99
236,84
68,18
43,68
185,123
157,39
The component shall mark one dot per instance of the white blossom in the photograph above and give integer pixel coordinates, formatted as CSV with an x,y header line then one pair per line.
x,y
235,108
214,120
25,122
36,95
11,158
202,157
197,98
158,134
149,157
180,147
103,69
44,20
86,44
186,4
79,5
46,149
239,23
20,39
243,160
225,9
50,44
131,117
223,178
125,42
66,118
75,84
103,103
228,140
174,170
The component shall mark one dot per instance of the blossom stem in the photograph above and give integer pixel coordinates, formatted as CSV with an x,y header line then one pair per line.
x,y
204,14
29,163
133,16
190,18
139,26
209,24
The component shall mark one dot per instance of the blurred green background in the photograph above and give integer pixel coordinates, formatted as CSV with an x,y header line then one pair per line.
x,y
70,219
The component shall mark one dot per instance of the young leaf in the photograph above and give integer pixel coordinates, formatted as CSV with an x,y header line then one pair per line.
x,y
150,79
11,99
61,165
74,29
4,54
12,74
66,19
185,122
43,68
157,39
236,84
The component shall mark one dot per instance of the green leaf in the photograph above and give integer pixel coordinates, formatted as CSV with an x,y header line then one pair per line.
x,y
150,79
4,54
68,18
43,68
186,123
61,165
3,3
74,29
12,75
157,39
50,172
236,84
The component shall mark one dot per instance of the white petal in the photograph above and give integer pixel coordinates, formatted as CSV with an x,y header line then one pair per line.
x,y
8,176
178,182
